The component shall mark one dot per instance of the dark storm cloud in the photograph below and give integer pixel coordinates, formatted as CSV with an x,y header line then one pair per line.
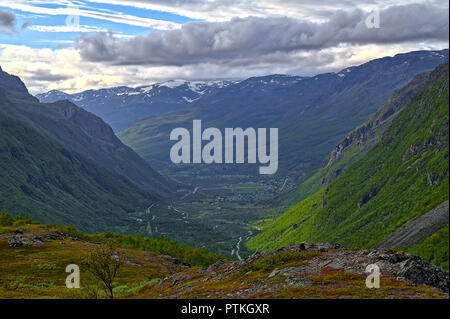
x,y
47,76
246,39
25,25
7,22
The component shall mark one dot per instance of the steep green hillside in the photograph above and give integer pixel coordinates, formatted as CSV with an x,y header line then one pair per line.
x,y
404,176
434,248
47,182
357,143
82,133
61,164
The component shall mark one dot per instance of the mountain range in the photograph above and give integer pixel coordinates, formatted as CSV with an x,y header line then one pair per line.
x,y
121,106
312,113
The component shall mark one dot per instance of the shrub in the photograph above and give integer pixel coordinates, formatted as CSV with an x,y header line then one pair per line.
x,y
6,219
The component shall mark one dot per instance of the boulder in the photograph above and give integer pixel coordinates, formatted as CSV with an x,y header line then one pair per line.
x,y
16,241
421,272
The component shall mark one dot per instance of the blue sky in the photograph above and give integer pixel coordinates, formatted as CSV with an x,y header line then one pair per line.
x,y
140,42
37,37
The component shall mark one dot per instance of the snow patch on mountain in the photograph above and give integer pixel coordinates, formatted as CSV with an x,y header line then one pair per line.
x,y
146,89
172,84
189,100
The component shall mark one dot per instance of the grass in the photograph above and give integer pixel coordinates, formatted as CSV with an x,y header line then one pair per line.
x,y
39,271
253,281
160,245
283,259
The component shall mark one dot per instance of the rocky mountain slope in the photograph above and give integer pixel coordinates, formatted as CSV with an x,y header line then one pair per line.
x,y
403,177
312,113
121,106
62,164
307,271
358,142
35,257
418,230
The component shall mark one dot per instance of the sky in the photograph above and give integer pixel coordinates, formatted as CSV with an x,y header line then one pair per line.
x,y
75,45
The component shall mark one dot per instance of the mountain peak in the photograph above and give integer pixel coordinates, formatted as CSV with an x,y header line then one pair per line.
x,y
13,86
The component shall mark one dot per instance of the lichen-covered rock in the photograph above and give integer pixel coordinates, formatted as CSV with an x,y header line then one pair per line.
x,y
309,270
16,241
421,272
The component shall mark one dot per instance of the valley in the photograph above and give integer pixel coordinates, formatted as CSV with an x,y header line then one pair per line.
x,y
206,149
215,215
224,208
341,190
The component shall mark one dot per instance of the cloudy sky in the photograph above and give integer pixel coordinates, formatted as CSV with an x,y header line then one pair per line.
x,y
74,45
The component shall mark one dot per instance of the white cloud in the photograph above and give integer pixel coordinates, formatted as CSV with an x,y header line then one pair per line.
x,y
65,28
224,10
73,10
327,40
68,72
253,40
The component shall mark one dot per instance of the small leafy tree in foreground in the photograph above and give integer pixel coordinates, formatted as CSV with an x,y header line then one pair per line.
x,y
104,263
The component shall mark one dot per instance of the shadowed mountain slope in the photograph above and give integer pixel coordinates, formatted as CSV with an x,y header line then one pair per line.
x,y
62,164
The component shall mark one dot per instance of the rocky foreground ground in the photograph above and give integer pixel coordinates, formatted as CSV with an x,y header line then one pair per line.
x,y
33,262
308,271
